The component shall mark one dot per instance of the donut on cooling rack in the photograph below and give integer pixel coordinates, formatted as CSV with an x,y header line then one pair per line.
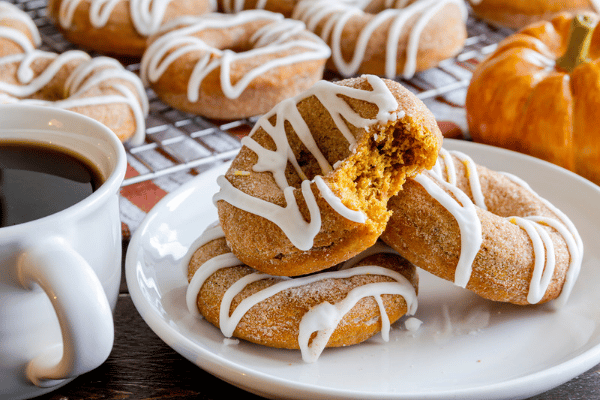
x,y
340,307
310,185
486,231
99,88
517,14
410,36
118,27
230,66
284,7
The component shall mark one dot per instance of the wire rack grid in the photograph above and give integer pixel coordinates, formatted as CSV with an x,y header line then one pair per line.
x,y
177,141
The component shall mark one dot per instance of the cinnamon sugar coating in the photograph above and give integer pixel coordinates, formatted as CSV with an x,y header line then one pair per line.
x,y
429,236
363,177
275,321
231,66
100,88
125,30
386,38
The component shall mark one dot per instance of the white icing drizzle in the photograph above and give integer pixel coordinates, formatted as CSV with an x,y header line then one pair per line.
x,y
451,174
9,11
274,38
565,227
147,16
543,252
104,69
336,15
544,264
289,218
322,318
464,212
25,74
90,72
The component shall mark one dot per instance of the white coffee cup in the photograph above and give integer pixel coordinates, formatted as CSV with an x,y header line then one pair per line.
x,y
60,274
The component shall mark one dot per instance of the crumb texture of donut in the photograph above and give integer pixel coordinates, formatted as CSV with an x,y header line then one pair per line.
x,y
320,169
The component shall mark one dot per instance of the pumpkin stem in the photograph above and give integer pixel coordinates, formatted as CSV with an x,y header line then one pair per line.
x,y
580,37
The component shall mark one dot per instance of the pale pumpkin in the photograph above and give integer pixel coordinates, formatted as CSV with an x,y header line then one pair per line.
x,y
539,94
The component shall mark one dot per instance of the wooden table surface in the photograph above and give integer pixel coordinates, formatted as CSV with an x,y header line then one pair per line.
x,y
142,366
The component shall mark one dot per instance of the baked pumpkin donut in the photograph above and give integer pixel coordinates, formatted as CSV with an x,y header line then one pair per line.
x,y
226,66
310,185
413,36
99,88
18,32
284,7
486,231
119,27
517,14
340,307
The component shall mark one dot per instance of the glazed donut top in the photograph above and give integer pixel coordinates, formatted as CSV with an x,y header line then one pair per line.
x,y
322,318
9,15
79,90
289,218
337,13
464,210
276,36
284,7
90,72
147,16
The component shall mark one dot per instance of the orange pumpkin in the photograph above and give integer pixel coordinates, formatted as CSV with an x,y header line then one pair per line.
x,y
539,94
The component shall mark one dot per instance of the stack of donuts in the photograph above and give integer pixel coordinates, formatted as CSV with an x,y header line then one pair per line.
x,y
341,191
294,260
335,199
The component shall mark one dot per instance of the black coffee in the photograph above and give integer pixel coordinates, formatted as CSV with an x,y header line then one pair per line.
x,y
38,180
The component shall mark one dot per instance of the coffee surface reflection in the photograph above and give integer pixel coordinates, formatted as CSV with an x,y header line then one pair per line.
x,y
38,180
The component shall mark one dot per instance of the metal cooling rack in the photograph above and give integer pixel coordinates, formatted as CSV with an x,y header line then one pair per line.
x,y
178,141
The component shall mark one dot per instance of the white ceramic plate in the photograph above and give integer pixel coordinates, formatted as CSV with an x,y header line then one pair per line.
x,y
467,347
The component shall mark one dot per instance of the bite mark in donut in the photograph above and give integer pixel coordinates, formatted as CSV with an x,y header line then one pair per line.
x,y
232,66
486,231
99,87
335,308
320,169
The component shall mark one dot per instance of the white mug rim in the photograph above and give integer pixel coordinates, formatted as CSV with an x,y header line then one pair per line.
x,y
110,185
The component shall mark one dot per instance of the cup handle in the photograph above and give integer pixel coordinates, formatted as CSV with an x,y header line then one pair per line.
x,y
81,306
